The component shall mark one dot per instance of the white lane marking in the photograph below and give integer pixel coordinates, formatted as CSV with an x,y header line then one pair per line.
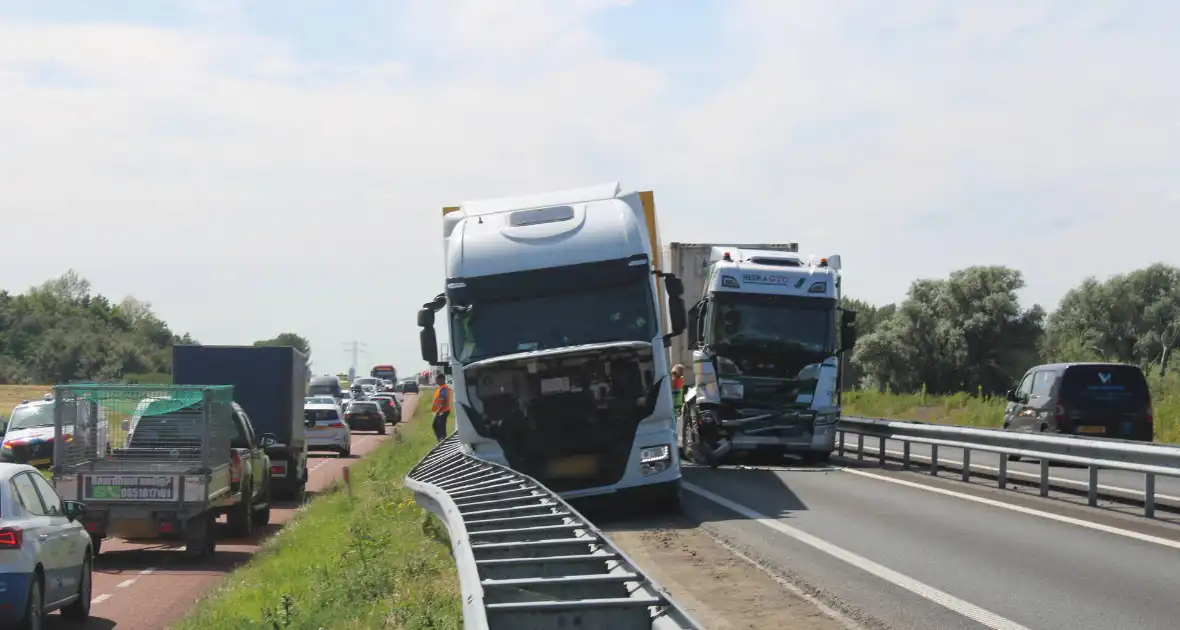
x,y
125,583
100,599
944,599
148,571
1164,542
1058,480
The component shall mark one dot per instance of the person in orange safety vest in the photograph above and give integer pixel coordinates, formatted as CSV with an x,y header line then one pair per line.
x,y
441,406
677,387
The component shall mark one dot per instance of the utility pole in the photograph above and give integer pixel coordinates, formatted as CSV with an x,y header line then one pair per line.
x,y
354,348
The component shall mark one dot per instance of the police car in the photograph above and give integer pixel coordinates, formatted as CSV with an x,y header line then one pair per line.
x,y
29,436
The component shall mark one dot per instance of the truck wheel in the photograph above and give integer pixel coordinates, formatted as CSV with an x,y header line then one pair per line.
x,y
240,517
261,517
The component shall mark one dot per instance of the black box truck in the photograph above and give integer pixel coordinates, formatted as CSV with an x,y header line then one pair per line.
x,y
270,383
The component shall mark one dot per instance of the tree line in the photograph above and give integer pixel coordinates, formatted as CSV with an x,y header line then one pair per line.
x,y
61,331
969,332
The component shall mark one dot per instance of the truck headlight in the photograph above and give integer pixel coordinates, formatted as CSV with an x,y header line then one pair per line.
x,y
655,459
732,389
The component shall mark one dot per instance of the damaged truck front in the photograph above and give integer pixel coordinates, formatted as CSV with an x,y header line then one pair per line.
x,y
555,305
764,341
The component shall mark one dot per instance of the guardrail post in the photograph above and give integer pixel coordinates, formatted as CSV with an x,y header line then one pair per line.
x,y
840,447
966,475
881,452
905,455
934,459
1149,495
860,446
1002,475
1044,477
1092,494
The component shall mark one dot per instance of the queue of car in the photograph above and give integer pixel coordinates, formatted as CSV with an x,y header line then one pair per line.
x,y
333,413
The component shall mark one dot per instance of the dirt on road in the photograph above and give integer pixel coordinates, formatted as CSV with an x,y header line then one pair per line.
x,y
719,588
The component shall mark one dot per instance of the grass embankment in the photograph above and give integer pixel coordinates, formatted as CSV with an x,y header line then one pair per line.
x,y
372,560
11,395
988,411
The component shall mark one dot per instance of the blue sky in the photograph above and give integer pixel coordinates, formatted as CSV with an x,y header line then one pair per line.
x,y
253,167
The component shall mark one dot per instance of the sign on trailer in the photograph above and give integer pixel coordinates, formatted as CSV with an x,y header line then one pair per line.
x,y
132,487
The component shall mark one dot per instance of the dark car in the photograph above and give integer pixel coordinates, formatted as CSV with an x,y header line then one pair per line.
x,y
365,415
389,406
409,387
1093,399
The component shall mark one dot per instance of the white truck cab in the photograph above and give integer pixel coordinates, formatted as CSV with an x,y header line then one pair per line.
x,y
764,340
557,313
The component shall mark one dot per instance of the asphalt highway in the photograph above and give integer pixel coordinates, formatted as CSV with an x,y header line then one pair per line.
x,y
900,550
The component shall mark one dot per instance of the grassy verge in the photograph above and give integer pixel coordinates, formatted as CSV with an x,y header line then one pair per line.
x,y
988,411
11,395
372,560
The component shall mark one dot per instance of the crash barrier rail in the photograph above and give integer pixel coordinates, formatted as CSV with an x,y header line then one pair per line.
x,y
526,559
1096,454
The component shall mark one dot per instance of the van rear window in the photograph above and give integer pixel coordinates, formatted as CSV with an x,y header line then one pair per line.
x,y
1105,383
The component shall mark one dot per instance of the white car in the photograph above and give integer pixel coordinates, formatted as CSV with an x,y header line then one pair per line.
x,y
330,433
45,554
324,400
29,434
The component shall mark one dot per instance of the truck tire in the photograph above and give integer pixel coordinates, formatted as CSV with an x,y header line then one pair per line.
x,y
261,516
240,518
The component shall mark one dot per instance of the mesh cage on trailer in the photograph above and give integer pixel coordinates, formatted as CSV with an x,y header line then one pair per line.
x,y
107,427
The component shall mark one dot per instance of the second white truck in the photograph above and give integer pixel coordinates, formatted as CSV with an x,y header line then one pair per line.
x,y
761,351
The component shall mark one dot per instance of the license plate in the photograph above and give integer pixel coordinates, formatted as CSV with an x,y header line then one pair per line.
x,y
574,466
41,461
1091,429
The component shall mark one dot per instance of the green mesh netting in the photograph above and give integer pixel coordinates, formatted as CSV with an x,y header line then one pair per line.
x,y
150,400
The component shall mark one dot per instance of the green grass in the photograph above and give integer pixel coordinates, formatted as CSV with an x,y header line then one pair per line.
x,y
988,411
370,560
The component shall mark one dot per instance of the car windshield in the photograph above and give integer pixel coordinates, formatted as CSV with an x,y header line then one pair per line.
x,y
320,400
365,381
613,313
784,322
363,406
30,416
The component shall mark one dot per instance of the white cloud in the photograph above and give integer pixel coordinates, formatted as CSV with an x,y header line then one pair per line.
x,y
913,137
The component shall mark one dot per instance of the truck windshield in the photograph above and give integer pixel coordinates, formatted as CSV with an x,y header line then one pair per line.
x,y
774,321
623,312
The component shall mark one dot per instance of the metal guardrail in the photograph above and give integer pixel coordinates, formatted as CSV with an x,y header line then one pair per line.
x,y
526,559
1095,454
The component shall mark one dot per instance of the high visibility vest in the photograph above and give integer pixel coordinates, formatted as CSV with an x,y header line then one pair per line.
x,y
677,390
442,399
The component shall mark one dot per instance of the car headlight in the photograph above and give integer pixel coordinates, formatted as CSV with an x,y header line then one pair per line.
x,y
732,389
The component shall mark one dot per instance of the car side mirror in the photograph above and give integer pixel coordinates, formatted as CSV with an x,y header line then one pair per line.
x,y
1010,395
74,509
269,440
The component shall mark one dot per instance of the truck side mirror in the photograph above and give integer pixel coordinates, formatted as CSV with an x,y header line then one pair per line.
x,y
425,318
429,343
675,288
847,330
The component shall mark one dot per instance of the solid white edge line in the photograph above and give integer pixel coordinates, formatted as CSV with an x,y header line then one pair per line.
x,y
1148,538
125,583
1059,480
946,600
100,599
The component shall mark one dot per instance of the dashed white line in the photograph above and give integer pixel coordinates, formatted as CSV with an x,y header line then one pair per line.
x,y
125,583
100,599
148,571
942,598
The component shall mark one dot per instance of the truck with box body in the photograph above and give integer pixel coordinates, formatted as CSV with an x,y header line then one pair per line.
x,y
178,458
762,352
556,309
270,383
